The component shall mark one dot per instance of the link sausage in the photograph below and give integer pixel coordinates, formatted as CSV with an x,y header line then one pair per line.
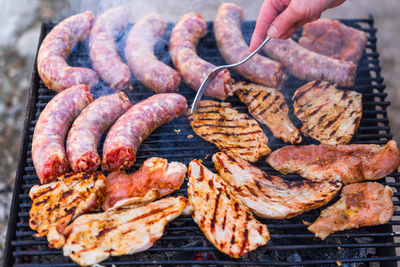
x,y
56,74
182,47
141,59
88,128
129,131
233,48
103,50
307,65
48,152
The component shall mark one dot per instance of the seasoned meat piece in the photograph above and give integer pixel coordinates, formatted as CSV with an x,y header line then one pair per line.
x,y
348,163
48,151
139,53
155,173
103,50
120,231
362,204
229,130
308,65
328,114
224,220
182,47
271,196
54,71
268,106
135,125
89,126
56,204
233,48
334,39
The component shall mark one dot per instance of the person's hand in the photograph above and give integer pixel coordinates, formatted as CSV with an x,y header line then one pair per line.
x,y
281,18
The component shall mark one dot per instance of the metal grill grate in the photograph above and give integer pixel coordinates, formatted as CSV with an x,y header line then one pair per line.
x,y
183,243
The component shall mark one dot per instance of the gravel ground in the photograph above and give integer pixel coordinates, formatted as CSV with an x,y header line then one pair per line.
x,y
18,44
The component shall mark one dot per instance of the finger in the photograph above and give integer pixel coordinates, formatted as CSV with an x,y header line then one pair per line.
x,y
336,3
288,34
265,17
284,22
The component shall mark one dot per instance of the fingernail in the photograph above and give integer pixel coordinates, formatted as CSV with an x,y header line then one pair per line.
x,y
273,32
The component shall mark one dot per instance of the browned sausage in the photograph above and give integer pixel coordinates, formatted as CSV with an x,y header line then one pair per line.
x,y
233,48
56,74
182,47
48,152
103,50
129,131
141,59
307,65
88,128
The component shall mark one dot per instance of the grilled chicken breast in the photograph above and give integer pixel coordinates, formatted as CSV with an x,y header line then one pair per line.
x,y
56,204
268,106
120,231
271,196
362,204
155,173
224,220
329,115
229,130
347,163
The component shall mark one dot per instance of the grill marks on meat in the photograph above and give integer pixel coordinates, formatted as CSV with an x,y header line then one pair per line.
x,y
233,48
271,196
155,173
56,204
120,231
268,106
224,220
329,115
182,48
54,71
229,130
362,204
348,163
334,39
307,65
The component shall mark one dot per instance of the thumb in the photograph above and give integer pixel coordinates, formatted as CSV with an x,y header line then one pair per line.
x,y
284,22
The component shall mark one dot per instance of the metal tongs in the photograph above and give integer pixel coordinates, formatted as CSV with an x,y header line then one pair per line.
x,y
216,70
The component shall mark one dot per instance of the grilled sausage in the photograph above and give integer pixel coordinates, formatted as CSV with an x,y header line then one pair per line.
x,y
141,59
56,74
103,50
233,48
307,65
48,152
182,47
128,132
88,128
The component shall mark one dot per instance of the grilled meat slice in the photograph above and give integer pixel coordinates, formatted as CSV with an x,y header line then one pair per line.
x,y
348,163
120,231
268,106
329,115
56,204
362,204
155,173
271,196
229,130
224,220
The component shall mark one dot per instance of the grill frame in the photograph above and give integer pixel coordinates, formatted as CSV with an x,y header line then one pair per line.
x,y
376,126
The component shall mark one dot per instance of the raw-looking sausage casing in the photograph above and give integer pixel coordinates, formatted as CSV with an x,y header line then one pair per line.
x,y
129,131
48,152
307,65
88,128
103,50
182,47
141,59
233,48
55,72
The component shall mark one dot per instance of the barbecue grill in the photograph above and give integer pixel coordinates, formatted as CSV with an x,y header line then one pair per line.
x,y
183,243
